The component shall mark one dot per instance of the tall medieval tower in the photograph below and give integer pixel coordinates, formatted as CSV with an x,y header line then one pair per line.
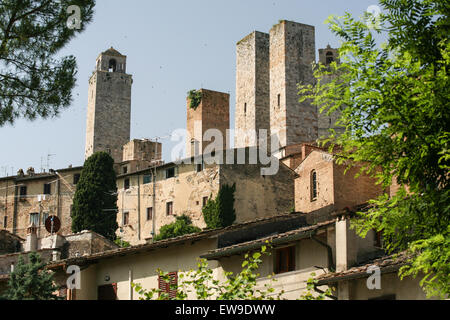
x,y
252,89
109,106
325,121
292,54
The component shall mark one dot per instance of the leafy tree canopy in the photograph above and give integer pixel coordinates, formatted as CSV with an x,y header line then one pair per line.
x,y
182,225
32,81
394,100
30,281
95,201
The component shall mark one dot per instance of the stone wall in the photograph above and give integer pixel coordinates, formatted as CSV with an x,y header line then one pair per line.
x,y
292,52
252,88
109,112
212,113
9,243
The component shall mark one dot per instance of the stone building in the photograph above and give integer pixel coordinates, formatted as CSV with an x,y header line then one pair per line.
x,y
184,188
252,111
327,121
109,106
32,197
213,112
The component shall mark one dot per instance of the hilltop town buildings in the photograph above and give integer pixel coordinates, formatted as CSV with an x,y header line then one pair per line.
x,y
303,208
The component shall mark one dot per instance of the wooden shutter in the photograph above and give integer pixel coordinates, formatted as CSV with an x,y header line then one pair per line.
x,y
166,287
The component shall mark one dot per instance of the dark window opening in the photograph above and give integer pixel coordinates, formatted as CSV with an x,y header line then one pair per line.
x,y
285,260
76,178
112,65
23,191
47,188
149,213
329,57
170,173
205,201
168,288
169,208
200,167
245,107
126,218
5,222
313,185
126,184
147,179
279,99
124,169
107,292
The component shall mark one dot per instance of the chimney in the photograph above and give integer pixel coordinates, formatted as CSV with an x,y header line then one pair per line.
x,y
31,243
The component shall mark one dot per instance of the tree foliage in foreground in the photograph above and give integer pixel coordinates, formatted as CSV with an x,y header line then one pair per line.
x,y
95,201
33,82
394,100
31,281
202,285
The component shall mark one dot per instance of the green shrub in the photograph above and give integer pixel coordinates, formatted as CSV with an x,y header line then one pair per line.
x,y
183,225
220,213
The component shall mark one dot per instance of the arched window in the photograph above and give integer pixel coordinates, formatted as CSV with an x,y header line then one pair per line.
x,y
313,185
112,65
329,57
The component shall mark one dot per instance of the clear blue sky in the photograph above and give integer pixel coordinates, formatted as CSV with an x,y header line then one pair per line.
x,y
172,47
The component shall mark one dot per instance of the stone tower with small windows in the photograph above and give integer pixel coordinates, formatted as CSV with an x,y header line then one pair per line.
x,y
252,89
292,54
109,106
325,121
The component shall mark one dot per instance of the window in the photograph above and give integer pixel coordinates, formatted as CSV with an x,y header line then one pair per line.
x,y
23,191
279,99
125,169
149,213
167,287
205,201
199,167
112,65
313,185
34,218
245,107
107,292
285,260
169,208
147,178
76,178
126,184
47,188
170,173
379,239
5,222
126,218
329,57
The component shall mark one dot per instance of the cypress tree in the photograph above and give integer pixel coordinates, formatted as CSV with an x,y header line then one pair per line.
x,y
95,201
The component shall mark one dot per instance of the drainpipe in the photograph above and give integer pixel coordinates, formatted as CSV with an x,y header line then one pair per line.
x,y
331,266
139,206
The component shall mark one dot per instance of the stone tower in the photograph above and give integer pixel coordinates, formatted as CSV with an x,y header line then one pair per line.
x,y
213,112
292,53
327,122
252,89
109,106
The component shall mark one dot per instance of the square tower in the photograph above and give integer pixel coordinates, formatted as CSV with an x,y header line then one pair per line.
x,y
325,121
212,112
292,54
252,89
109,106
